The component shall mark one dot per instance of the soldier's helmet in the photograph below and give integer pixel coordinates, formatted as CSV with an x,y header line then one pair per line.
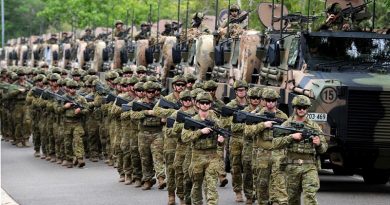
x,y
13,76
141,68
54,77
152,78
72,84
88,29
95,82
56,70
234,7
178,78
139,86
20,72
168,25
143,79
240,84
190,78
75,72
133,80
145,24
195,92
92,71
210,85
39,77
204,97
117,80
127,70
125,81
198,15
270,94
149,85
254,92
197,85
301,100
28,71
185,94
159,86
118,22
334,8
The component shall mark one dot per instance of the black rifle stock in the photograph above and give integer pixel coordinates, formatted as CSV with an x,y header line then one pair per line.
x,y
191,124
37,92
181,116
240,18
251,118
139,106
126,107
307,133
120,101
168,104
170,122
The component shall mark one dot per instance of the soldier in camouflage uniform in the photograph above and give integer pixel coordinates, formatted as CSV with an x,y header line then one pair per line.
x,y
190,79
31,100
237,27
73,132
254,106
236,141
119,32
334,21
128,133
205,159
271,183
178,85
136,166
127,72
94,118
302,161
150,139
17,94
144,33
181,147
88,36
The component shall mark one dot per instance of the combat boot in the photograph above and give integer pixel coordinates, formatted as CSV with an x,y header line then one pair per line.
x,y
147,185
48,158
138,183
81,163
239,197
223,181
249,201
26,143
64,163
161,183
94,159
43,156
182,202
59,161
75,161
37,154
171,198
68,164
153,181
53,159
121,178
128,179
110,163
19,145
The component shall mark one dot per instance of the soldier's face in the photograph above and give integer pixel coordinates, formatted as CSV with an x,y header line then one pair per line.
x,y
186,102
204,106
241,92
301,111
72,90
150,94
234,13
255,101
140,94
270,103
119,26
179,87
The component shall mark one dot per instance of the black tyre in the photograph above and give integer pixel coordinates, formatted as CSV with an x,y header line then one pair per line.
x,y
376,177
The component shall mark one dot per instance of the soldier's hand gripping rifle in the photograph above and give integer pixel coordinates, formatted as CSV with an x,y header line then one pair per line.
x,y
126,107
139,106
63,100
251,118
307,133
240,18
37,92
181,116
191,124
168,104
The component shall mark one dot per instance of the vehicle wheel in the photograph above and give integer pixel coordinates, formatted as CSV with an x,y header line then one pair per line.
x,y
376,177
341,171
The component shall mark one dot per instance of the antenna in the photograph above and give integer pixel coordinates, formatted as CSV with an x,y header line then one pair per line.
x,y
216,16
273,14
308,15
178,16
188,2
373,15
228,21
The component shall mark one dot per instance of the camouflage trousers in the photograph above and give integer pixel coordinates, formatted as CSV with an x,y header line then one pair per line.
x,y
235,146
104,137
302,178
93,137
170,143
150,144
73,139
247,168
36,132
135,155
51,137
117,148
58,130
111,139
204,167
19,123
125,147
271,181
44,135
187,177
178,164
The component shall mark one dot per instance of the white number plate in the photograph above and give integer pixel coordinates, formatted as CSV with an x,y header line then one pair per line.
x,y
318,116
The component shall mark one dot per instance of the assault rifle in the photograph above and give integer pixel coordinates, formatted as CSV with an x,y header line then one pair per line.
x,y
181,116
227,111
63,100
307,133
168,104
170,122
251,118
126,107
191,124
240,18
120,101
350,11
37,92
89,98
139,106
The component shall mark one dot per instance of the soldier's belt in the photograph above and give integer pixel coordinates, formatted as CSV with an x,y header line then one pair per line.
x,y
72,119
205,151
300,161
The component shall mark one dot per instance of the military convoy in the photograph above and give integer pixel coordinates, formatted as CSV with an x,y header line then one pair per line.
x,y
345,74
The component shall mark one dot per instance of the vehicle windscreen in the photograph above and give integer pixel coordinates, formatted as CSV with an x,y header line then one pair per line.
x,y
347,53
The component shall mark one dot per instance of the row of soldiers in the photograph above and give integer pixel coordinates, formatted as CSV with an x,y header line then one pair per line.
x,y
71,118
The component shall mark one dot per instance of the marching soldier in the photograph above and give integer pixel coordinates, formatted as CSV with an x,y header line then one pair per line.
x,y
302,162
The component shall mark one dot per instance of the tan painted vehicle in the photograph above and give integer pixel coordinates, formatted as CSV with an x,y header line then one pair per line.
x,y
346,76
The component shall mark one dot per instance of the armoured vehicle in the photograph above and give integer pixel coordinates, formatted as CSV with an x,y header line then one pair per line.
x,y
346,75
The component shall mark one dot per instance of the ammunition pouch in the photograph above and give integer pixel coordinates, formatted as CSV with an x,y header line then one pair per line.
x,y
151,121
206,142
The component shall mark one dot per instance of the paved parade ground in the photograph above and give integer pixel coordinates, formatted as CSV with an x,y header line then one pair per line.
x,y
32,181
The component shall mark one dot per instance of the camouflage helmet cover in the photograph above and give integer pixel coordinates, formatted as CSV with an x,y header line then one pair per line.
x,y
197,85
139,86
195,92
179,78
141,68
301,100
72,83
54,76
149,85
152,78
185,94
133,80
190,77
270,94
118,22
39,77
234,7
240,84
56,70
211,84
204,96
254,92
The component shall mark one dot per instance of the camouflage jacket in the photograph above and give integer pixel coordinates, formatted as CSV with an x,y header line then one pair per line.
x,y
193,135
164,113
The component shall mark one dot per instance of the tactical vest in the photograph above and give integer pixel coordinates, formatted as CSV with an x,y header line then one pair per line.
x,y
206,142
302,147
151,121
